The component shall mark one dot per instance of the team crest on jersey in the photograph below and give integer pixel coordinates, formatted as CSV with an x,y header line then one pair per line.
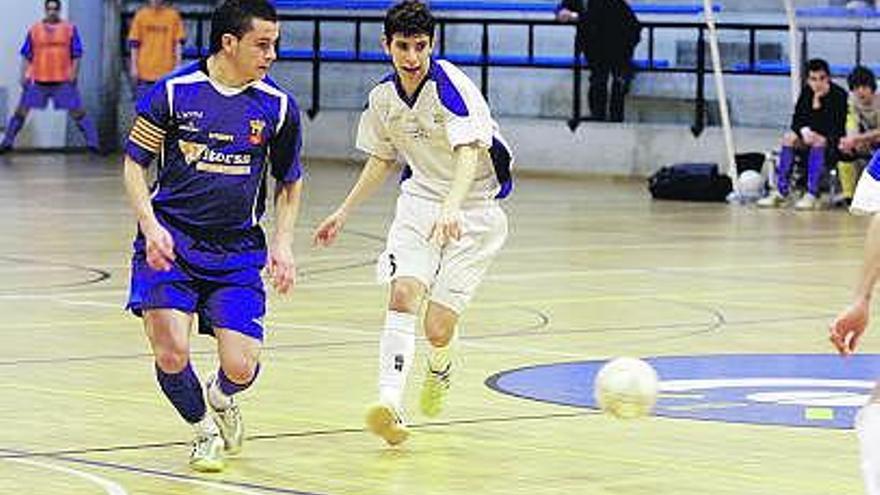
x,y
192,152
256,136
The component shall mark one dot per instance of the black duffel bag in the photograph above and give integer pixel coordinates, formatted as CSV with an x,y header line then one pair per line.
x,y
690,182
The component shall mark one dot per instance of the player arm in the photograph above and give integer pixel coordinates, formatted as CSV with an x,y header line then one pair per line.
x,y
373,175
76,52
287,201
139,194
466,158
801,116
871,266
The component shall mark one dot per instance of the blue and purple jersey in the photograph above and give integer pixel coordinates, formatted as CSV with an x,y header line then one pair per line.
x,y
215,145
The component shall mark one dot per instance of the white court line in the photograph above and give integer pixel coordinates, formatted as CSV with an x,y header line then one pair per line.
x,y
109,487
462,340
112,488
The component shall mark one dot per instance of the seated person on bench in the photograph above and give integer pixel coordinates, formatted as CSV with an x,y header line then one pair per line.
x,y
818,123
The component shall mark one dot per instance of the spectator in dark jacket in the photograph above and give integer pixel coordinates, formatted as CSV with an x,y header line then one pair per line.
x,y
608,32
818,123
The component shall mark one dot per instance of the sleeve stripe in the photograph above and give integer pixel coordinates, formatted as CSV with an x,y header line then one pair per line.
x,y
148,136
147,125
146,133
147,145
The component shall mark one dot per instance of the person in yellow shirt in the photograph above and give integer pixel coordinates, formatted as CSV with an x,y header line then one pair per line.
x,y
156,38
862,129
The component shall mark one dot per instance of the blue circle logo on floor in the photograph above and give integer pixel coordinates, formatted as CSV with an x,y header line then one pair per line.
x,y
823,391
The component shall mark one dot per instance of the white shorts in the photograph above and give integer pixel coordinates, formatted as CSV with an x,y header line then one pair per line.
x,y
451,273
866,200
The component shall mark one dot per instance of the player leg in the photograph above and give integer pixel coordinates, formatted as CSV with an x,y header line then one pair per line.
x,y
168,333
462,267
409,263
397,345
440,323
868,431
598,92
778,196
815,167
236,314
621,76
67,96
166,301
32,96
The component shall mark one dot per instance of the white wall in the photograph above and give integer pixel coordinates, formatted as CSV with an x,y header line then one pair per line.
x,y
547,146
43,128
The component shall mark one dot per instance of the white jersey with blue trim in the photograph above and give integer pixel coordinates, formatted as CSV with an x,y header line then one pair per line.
x,y
446,111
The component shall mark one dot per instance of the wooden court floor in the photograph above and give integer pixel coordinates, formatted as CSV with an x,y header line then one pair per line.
x,y
592,269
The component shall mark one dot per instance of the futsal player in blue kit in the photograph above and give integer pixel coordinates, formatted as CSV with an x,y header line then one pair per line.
x,y
218,126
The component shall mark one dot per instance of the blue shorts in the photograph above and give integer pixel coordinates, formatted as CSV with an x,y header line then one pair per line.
x,y
63,95
219,280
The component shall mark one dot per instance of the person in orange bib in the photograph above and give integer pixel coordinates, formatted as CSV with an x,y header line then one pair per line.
x,y
156,37
51,53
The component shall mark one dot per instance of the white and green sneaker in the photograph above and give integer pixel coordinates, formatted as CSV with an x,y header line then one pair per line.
x,y
207,453
387,422
434,391
772,200
229,421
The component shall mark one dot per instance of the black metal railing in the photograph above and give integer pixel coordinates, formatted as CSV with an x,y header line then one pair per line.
x,y
485,60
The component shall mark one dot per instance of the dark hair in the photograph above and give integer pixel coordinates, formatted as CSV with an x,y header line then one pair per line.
x,y
236,17
861,76
818,64
46,4
409,18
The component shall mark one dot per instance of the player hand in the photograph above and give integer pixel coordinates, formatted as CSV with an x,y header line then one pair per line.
x,y
447,227
846,330
847,144
808,136
282,268
565,15
160,247
326,233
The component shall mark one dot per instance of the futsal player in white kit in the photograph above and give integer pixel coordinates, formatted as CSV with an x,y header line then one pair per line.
x,y
849,326
448,225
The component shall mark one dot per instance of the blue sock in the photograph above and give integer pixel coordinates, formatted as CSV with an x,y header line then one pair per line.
x,y
90,132
815,165
229,387
12,129
184,391
783,170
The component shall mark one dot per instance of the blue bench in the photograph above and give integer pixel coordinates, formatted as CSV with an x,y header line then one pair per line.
x,y
502,60
837,12
780,67
476,5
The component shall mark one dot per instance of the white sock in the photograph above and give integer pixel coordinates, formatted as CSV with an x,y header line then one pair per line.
x,y
397,346
206,426
219,401
868,430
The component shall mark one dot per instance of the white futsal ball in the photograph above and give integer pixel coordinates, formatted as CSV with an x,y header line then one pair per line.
x,y
626,388
750,185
